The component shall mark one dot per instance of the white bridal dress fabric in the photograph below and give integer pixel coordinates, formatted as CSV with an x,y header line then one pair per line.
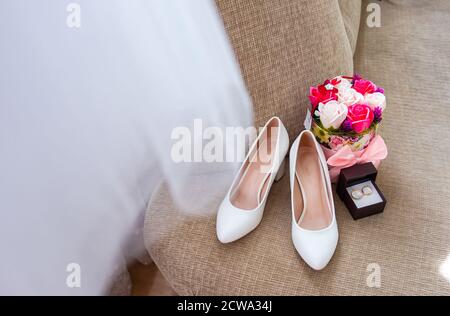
x,y
86,116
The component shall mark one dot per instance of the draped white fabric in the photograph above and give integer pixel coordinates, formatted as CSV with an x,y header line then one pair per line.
x,y
86,116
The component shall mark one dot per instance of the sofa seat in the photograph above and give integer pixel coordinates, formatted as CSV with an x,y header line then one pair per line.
x,y
409,56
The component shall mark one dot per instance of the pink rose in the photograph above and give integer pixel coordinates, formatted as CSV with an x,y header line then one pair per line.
x,y
360,116
364,86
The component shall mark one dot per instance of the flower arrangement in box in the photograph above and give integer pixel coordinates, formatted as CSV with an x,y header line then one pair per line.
x,y
346,115
346,111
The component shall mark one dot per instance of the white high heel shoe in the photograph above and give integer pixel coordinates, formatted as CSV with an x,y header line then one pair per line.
x,y
242,208
314,227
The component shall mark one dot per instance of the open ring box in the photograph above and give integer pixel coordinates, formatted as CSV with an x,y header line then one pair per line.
x,y
359,192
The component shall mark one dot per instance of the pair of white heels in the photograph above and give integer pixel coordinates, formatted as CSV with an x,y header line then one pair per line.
x,y
314,227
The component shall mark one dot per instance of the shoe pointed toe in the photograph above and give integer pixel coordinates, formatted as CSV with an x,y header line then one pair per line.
x,y
232,224
316,247
318,260
226,233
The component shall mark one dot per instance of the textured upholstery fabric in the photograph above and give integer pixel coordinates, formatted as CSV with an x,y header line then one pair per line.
x,y
284,47
351,15
409,57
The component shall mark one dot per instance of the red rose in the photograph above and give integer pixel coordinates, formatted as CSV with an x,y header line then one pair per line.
x,y
335,81
360,116
321,95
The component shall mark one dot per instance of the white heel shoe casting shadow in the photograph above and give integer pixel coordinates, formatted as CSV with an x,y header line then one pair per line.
x,y
242,208
314,227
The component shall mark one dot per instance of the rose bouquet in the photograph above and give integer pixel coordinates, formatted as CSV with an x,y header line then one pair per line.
x,y
346,111
345,116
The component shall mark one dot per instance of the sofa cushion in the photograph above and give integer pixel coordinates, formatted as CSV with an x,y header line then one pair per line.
x,y
351,15
283,48
409,242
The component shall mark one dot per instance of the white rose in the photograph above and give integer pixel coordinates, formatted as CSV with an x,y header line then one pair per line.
x,y
375,99
344,84
332,114
350,96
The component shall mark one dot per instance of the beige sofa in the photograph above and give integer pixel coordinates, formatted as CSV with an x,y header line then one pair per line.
x,y
283,47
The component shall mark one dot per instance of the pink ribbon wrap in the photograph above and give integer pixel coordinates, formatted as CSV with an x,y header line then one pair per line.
x,y
345,157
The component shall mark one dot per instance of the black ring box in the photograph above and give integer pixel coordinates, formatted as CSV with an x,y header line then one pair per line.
x,y
355,175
